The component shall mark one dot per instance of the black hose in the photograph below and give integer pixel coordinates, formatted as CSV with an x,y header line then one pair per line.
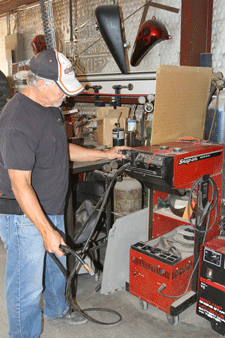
x,y
211,205
71,302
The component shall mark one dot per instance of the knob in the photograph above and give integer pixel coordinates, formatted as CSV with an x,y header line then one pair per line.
x,y
177,150
164,147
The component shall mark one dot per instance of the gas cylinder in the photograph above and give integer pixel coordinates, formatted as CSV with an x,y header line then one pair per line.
x,y
127,197
216,132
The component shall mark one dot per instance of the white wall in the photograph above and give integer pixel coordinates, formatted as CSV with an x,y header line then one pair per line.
x,y
218,36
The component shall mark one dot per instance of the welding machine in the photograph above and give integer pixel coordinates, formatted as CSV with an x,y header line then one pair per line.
x,y
211,289
175,168
161,263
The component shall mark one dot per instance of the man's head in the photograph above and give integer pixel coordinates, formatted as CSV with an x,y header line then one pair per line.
x,y
48,94
53,65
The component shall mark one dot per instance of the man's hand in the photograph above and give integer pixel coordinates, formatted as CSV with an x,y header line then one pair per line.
x,y
116,152
81,154
52,242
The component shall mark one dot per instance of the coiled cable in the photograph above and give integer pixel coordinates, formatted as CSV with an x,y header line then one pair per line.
x,y
71,302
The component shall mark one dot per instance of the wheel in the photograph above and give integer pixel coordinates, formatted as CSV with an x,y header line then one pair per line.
x,y
97,276
172,320
143,304
217,327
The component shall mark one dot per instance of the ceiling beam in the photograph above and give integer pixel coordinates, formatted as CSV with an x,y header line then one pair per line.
x,y
6,6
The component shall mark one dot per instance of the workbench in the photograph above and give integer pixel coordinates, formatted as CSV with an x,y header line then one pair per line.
x,y
83,167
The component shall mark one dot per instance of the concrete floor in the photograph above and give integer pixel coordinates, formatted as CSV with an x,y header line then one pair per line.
x,y
151,323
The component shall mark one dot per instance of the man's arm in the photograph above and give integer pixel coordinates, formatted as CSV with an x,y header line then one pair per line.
x,y
82,154
27,199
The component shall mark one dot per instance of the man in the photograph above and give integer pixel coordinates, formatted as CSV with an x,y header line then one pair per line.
x,y
33,186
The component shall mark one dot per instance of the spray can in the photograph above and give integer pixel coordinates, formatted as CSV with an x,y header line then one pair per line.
x,y
118,136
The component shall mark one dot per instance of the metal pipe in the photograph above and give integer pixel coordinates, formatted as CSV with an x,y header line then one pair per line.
x,y
71,20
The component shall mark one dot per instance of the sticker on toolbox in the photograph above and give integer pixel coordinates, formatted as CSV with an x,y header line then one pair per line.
x,y
212,257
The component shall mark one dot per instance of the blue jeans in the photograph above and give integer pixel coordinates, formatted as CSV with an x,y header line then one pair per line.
x,y
30,272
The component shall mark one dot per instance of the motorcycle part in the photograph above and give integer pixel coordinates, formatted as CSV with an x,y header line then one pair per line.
x,y
109,24
150,33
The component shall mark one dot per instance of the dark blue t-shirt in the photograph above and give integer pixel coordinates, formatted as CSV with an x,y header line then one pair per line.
x,y
33,137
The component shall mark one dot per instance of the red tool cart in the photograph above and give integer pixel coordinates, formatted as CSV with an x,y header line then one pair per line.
x,y
164,270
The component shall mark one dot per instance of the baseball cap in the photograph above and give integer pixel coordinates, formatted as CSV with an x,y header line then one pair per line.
x,y
53,65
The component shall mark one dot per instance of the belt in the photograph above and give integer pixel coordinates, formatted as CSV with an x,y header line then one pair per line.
x,y
10,206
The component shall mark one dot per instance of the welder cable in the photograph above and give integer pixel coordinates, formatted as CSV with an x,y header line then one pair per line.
x,y
163,286
103,201
73,305
209,206
71,302
105,197
70,278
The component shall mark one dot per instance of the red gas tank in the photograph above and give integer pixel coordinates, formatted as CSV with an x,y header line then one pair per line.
x,y
149,34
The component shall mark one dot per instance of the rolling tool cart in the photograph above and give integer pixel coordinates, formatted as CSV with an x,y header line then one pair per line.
x,y
164,270
211,290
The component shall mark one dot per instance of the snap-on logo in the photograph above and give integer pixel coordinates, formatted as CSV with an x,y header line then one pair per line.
x,y
187,160
200,157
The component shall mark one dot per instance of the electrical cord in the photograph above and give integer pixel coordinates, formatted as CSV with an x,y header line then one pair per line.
x,y
163,286
206,212
222,225
210,205
67,250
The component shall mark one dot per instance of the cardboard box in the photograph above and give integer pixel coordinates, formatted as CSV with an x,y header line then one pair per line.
x,y
69,129
106,119
180,102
